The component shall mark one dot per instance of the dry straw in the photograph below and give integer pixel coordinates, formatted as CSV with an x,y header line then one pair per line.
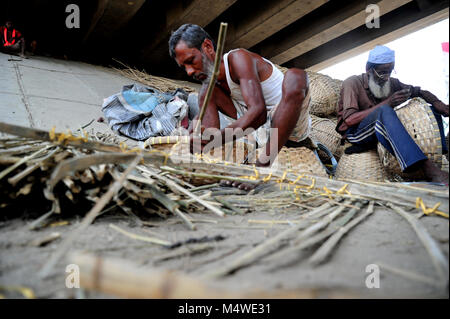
x,y
157,82
364,166
421,124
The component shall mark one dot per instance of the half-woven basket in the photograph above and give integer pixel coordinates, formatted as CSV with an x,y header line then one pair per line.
x,y
324,131
420,122
235,152
299,160
365,166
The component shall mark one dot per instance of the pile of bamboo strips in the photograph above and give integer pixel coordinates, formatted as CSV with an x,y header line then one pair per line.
x,y
59,172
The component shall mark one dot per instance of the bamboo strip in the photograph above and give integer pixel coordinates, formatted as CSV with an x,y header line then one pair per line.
x,y
9,169
265,247
213,77
322,253
141,238
122,278
88,219
437,257
173,185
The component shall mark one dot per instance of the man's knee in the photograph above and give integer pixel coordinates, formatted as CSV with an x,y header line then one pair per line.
x,y
295,83
386,110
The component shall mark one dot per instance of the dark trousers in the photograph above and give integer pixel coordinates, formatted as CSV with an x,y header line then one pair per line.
x,y
383,125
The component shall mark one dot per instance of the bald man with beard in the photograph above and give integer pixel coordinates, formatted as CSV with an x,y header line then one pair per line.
x,y
366,114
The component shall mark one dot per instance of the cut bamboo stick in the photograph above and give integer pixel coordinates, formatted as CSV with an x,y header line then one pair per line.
x,y
213,76
122,278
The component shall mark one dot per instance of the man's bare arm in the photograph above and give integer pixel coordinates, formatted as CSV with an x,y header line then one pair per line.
x,y
440,106
243,68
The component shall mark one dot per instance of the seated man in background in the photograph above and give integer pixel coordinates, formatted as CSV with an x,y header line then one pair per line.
x,y
12,40
250,90
366,114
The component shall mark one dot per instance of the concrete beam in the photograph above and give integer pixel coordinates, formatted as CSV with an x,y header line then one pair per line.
x,y
201,12
386,38
268,19
110,17
325,29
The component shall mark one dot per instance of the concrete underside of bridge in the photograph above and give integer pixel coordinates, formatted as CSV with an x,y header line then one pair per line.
x,y
309,34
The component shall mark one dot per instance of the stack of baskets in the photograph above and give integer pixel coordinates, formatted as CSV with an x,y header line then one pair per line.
x,y
421,124
325,93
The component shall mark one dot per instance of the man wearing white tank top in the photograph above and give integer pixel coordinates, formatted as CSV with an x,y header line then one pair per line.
x,y
249,90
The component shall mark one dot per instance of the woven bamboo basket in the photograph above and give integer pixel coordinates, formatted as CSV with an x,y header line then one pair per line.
x,y
419,121
445,164
325,93
365,166
179,145
299,160
324,131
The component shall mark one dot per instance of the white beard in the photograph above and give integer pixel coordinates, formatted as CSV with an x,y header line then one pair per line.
x,y
380,92
208,67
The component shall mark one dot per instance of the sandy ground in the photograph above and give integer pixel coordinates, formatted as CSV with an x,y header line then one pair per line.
x,y
384,237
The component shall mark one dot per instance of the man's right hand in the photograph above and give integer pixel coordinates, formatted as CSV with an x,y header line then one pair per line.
x,y
399,97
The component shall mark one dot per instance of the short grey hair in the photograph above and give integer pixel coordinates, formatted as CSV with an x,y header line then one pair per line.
x,y
192,34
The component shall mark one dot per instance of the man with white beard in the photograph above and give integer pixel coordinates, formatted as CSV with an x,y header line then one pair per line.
x,y
366,114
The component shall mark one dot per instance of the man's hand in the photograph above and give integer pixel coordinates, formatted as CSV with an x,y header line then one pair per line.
x,y
211,138
441,108
399,97
197,144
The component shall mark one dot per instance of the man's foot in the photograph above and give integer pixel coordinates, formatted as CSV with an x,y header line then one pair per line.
x,y
433,173
23,56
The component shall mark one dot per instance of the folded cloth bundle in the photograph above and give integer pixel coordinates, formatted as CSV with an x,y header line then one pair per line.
x,y
140,112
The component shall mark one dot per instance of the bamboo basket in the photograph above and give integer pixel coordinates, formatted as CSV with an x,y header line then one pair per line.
x,y
420,123
298,160
445,164
365,166
325,93
235,152
324,131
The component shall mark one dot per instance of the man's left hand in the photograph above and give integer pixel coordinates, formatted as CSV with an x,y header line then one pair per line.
x,y
441,108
